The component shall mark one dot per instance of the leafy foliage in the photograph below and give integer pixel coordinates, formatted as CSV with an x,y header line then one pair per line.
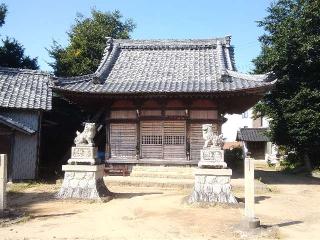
x,y
234,158
12,52
12,55
3,12
291,50
87,40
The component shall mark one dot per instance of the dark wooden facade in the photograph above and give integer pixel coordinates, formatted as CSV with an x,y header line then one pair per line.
x,y
155,131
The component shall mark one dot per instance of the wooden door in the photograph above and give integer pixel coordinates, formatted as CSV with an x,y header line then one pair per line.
x,y
163,139
151,134
196,141
123,140
174,145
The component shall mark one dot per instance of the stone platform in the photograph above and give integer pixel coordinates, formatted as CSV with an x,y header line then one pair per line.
x,y
84,182
212,185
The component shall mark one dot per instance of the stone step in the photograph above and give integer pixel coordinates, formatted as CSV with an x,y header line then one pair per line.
x,y
171,174
149,182
170,183
181,169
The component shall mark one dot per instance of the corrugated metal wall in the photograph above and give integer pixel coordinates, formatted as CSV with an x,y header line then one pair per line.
x,y
24,156
25,147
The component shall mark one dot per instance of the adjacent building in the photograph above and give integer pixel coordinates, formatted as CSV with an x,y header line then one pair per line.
x,y
245,129
24,95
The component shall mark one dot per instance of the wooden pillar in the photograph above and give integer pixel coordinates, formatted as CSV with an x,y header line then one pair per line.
x,y
3,182
187,135
107,124
138,147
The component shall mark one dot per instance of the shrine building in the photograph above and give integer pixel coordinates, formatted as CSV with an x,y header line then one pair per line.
x,y
154,96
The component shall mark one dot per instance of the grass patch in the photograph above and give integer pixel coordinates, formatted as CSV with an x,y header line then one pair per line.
x,y
23,186
20,187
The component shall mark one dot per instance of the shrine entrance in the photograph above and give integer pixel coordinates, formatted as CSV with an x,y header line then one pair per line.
x,y
163,140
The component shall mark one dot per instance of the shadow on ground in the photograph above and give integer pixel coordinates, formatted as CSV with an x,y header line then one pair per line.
x,y
257,199
131,195
284,224
275,177
23,200
53,215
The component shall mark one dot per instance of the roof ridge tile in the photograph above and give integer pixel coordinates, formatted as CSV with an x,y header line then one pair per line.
x,y
25,70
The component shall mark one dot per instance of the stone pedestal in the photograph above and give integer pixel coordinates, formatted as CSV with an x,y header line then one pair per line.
x,y
84,182
212,158
83,155
212,185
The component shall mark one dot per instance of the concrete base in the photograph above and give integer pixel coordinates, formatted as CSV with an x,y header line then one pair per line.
x,y
212,185
250,223
84,182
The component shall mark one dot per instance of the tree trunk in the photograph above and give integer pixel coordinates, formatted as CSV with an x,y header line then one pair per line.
x,y
307,162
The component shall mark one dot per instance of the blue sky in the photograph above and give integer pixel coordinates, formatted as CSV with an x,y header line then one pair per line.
x,y
35,23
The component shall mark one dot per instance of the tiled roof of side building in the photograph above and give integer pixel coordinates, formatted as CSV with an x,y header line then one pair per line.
x,y
152,66
25,89
12,123
252,135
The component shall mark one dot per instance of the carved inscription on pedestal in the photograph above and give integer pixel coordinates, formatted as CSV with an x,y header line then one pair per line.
x,y
213,158
211,155
83,152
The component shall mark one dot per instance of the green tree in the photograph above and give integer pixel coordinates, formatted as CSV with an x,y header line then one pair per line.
x,y
291,50
87,40
3,12
12,52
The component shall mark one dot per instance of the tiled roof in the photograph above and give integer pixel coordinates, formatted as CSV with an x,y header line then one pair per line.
x,y
252,135
25,89
15,125
157,66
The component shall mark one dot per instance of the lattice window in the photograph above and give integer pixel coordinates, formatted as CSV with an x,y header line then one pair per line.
x,y
151,140
174,140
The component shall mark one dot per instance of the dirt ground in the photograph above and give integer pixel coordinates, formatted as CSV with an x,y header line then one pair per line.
x,y
289,211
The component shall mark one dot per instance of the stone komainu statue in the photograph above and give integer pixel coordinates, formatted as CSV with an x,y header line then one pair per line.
x,y
210,134
86,136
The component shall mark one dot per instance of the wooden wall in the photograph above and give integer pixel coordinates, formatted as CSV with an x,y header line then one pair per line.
x,y
123,140
159,129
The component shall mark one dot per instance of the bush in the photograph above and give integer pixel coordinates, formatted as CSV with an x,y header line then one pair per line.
x,y
291,162
234,158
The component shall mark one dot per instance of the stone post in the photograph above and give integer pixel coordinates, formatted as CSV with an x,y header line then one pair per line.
x,y
3,182
250,220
